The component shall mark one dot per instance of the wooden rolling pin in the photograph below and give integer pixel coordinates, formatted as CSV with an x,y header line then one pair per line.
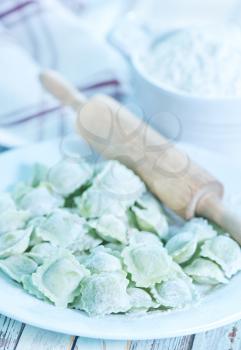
x,y
170,174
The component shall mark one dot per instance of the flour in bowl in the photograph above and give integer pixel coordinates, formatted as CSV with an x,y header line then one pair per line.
x,y
201,61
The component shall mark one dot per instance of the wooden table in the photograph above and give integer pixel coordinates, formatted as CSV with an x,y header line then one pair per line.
x,y
18,336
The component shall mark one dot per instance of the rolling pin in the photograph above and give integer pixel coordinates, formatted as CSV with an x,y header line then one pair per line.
x,y
116,133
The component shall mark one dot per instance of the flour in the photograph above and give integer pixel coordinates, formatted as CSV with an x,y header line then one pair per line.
x,y
199,61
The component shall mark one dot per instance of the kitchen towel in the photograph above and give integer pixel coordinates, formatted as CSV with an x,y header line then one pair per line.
x,y
38,34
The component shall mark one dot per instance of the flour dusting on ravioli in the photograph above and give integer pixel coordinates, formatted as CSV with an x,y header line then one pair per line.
x,y
104,293
225,252
40,201
18,266
59,278
68,176
94,239
182,246
174,293
149,216
205,271
148,264
14,242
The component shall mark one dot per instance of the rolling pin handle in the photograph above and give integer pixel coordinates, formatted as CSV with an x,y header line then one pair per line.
x,y
214,189
62,90
212,208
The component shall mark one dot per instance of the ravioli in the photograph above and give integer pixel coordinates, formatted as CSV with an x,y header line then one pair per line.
x,y
6,202
149,216
182,246
174,293
20,190
115,249
40,201
100,260
58,279
200,228
34,223
94,239
17,266
204,271
140,300
61,228
103,294
135,237
111,228
27,283
93,203
13,219
85,242
225,252
14,242
147,264
68,175
42,251
115,188
120,182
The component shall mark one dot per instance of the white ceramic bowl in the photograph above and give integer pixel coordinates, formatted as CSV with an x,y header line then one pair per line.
x,y
212,123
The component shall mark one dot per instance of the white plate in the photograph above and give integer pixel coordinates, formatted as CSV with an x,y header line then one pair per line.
x,y
219,308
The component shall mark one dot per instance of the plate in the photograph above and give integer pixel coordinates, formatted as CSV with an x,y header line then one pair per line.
x,y
221,307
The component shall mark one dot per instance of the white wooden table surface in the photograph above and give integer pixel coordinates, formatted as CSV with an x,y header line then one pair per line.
x,y
18,336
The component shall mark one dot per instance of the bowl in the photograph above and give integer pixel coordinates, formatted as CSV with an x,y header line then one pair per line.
x,y
210,122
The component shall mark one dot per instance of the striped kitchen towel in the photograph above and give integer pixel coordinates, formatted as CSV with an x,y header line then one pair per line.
x,y
38,34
